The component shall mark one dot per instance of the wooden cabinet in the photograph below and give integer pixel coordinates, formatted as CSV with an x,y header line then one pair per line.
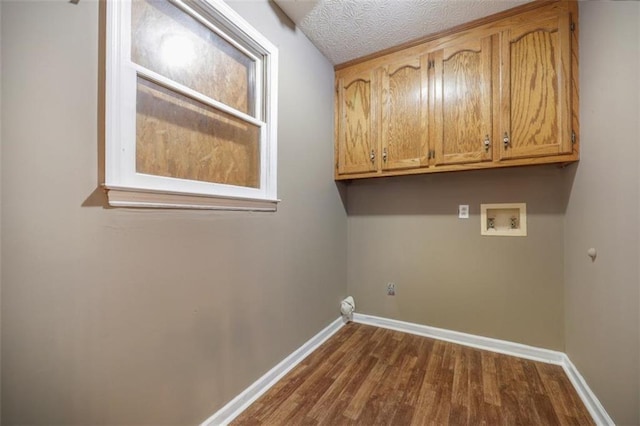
x,y
404,101
495,93
356,123
464,104
536,87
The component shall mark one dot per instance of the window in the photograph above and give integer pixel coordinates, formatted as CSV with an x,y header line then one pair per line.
x,y
191,107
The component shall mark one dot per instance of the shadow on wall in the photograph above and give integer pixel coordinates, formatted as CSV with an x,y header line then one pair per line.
x,y
545,189
283,17
98,198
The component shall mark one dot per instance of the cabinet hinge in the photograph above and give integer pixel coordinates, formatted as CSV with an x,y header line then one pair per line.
x,y
572,26
573,137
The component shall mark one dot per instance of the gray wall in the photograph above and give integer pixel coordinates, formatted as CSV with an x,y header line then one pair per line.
x,y
117,316
602,298
406,230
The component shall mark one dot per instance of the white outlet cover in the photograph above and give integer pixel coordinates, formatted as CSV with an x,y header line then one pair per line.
x,y
463,211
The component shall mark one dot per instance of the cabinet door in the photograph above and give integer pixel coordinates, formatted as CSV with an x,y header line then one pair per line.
x,y
404,115
463,101
536,117
357,134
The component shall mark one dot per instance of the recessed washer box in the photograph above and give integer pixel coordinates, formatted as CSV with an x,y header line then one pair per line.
x,y
503,220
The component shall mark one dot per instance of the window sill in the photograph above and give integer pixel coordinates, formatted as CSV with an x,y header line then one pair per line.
x,y
140,198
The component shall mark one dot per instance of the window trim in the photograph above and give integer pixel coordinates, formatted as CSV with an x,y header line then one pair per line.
x,y
127,188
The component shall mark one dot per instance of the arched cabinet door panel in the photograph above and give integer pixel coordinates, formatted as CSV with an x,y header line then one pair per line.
x,y
464,76
404,96
536,88
356,124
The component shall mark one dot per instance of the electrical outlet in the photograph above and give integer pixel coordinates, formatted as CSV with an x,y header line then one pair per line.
x,y
463,211
391,289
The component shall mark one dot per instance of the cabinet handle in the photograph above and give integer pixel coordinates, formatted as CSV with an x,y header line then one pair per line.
x,y
487,143
506,140
384,155
372,157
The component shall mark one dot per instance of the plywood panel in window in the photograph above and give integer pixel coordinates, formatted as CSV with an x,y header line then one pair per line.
x,y
168,41
182,138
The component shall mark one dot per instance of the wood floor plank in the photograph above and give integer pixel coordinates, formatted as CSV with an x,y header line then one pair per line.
x,y
490,389
476,389
390,393
381,400
304,403
365,375
362,394
282,411
460,391
412,389
324,402
533,378
545,410
335,413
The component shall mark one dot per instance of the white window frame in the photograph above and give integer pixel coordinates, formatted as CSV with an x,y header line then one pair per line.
x,y
127,188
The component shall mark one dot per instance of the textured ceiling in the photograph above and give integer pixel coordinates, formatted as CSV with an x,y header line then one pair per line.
x,y
349,29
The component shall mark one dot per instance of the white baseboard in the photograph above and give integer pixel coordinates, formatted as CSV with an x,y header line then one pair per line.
x,y
479,342
589,399
238,404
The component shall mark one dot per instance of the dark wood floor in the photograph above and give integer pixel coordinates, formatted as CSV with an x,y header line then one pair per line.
x,y
372,376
